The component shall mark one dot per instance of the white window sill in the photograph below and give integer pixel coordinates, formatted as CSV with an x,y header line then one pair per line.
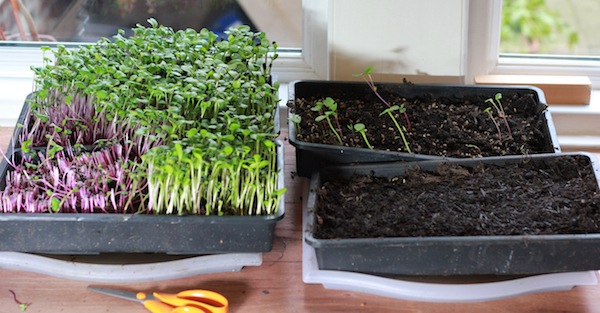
x,y
577,125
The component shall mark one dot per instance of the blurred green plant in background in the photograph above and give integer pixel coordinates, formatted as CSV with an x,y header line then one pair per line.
x,y
535,24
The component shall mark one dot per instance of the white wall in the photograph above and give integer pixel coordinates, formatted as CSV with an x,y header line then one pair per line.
x,y
16,80
398,42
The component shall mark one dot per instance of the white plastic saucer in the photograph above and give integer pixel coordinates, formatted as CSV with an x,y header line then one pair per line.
x,y
120,269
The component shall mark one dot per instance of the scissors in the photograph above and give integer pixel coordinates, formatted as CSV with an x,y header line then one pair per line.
x,y
187,301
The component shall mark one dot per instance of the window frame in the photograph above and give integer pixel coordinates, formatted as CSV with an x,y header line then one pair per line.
x,y
311,61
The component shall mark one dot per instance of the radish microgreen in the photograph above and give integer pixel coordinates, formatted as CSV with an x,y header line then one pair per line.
x,y
328,108
360,128
497,104
488,110
180,122
368,78
389,111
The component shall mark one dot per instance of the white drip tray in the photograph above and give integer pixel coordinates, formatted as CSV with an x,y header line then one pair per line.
x,y
127,268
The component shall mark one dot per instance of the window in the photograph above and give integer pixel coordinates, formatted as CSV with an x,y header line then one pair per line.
x,y
90,20
551,27
76,22
486,57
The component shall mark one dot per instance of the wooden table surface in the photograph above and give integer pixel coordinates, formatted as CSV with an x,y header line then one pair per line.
x,y
276,286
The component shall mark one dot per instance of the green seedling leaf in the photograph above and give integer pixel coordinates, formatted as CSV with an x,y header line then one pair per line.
x,y
359,127
280,192
26,146
44,118
153,22
367,71
191,132
320,118
228,150
101,94
228,138
268,144
330,103
54,148
55,205
296,118
234,126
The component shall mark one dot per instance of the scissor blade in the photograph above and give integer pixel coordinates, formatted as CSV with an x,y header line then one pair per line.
x,y
117,293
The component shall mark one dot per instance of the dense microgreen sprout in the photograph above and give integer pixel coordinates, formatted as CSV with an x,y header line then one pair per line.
x,y
68,181
192,112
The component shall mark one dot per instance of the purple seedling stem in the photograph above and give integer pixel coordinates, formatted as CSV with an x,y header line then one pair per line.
x,y
489,113
92,182
366,75
500,110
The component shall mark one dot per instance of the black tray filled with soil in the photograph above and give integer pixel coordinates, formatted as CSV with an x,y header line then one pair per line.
x,y
513,215
438,121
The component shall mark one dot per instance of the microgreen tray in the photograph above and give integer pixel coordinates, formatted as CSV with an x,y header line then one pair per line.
x,y
93,233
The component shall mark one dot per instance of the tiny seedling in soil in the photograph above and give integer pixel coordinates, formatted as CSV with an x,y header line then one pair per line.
x,y
500,110
488,110
360,128
22,305
296,119
474,147
366,75
330,104
389,111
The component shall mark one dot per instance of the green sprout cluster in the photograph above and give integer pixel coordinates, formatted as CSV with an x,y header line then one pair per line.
x,y
203,105
368,78
497,105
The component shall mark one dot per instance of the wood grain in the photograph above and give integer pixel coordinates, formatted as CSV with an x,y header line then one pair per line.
x,y
276,286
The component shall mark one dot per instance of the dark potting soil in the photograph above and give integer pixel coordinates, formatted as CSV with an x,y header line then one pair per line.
x,y
558,196
445,126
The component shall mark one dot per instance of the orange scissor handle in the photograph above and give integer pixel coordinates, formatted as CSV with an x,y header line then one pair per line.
x,y
205,300
158,307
